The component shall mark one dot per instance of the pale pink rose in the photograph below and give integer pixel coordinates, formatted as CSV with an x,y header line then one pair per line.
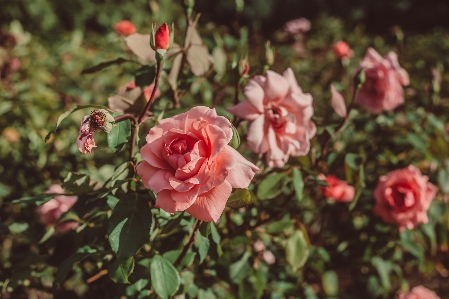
x,y
342,50
98,120
124,28
187,161
269,257
281,116
146,92
403,196
337,189
419,292
382,89
297,26
50,212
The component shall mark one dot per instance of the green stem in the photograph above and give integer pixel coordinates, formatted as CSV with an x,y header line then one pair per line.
x,y
159,65
189,243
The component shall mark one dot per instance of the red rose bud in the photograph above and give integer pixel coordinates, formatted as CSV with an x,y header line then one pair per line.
x,y
124,28
243,67
162,37
342,50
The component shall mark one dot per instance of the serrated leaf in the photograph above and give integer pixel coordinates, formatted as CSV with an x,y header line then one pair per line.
x,y
70,111
239,270
296,250
129,225
235,140
240,198
298,183
67,265
139,44
270,186
164,277
203,246
130,100
119,135
105,64
120,270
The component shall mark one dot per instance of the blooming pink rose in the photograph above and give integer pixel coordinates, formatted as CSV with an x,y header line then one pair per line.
x,y
125,28
342,50
281,115
50,212
301,25
146,92
187,161
419,292
382,89
403,196
337,189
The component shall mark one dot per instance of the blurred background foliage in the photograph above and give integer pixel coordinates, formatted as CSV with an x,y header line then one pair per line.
x,y
351,253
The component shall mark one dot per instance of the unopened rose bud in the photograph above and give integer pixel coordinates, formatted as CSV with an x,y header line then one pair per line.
x,y
243,67
269,53
162,37
124,28
342,50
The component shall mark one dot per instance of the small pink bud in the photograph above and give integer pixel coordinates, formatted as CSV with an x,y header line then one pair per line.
x,y
162,37
125,28
243,67
342,50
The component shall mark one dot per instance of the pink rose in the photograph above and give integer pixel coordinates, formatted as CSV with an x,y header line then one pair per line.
x,y
125,28
187,161
146,92
337,189
419,292
342,50
403,196
297,26
282,117
50,212
382,89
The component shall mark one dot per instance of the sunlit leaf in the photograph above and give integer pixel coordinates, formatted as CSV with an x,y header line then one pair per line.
x,y
164,277
296,250
119,135
121,269
239,198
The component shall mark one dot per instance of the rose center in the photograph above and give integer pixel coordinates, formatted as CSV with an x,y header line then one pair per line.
x,y
179,146
403,198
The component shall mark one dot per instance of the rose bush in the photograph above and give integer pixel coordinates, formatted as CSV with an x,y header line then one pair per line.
x,y
187,161
382,89
281,116
403,197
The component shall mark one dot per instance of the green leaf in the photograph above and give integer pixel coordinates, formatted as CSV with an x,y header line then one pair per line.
x,y
164,277
298,183
121,269
235,140
239,198
215,235
70,111
67,265
296,250
37,200
203,246
429,231
383,268
239,270
270,186
129,225
145,75
119,135
329,281
17,227
111,201
76,182
105,64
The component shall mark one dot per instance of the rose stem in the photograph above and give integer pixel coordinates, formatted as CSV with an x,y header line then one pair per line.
x,y
189,243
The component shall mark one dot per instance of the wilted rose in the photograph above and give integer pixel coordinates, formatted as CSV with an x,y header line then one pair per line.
x,y
337,189
50,212
342,50
403,197
125,28
98,120
384,78
281,116
419,292
187,161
